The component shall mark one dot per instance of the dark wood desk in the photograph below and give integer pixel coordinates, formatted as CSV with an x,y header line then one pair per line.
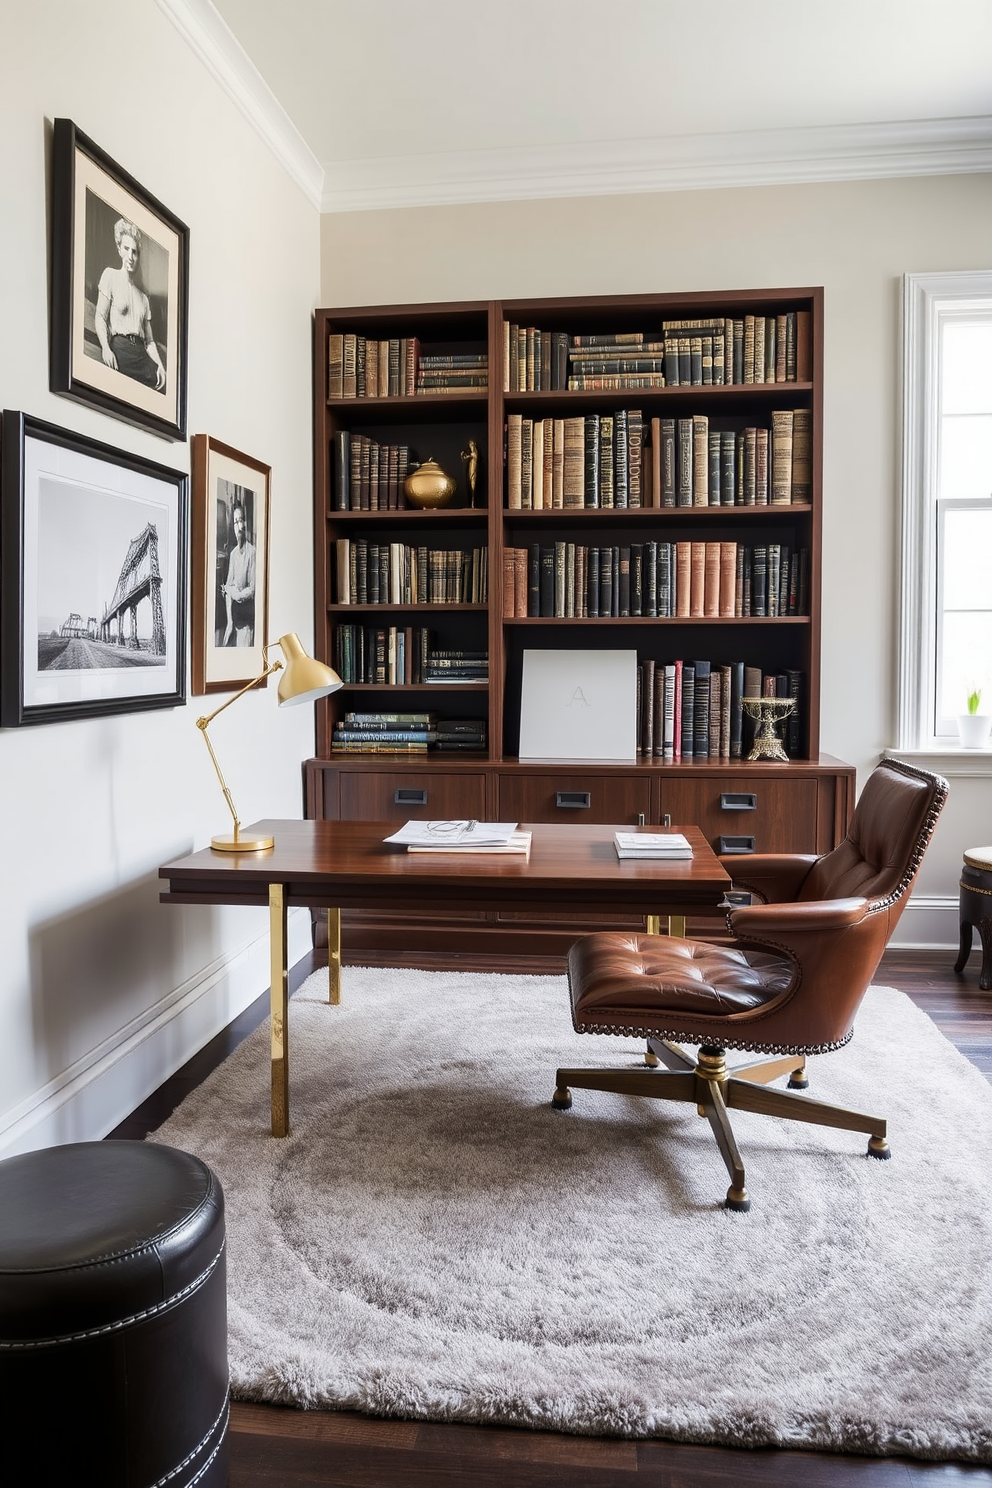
x,y
347,865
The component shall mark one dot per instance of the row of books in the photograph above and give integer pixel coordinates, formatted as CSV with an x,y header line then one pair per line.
x,y
397,573
619,461
407,733
692,464
691,710
711,352
367,475
655,580
396,367
402,656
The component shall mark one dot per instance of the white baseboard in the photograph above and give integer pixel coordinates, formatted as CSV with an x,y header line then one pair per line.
x,y
97,1092
929,923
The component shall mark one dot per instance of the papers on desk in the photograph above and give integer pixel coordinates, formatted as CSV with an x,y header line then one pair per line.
x,y
658,845
461,836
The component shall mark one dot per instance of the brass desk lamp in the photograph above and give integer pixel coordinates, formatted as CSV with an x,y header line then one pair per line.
x,y
305,681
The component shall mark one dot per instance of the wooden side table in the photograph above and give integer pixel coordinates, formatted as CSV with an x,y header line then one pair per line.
x,y
976,909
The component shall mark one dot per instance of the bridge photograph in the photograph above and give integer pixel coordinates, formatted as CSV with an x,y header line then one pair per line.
x,y
100,596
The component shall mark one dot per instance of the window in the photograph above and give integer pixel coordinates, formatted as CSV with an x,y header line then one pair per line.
x,y
946,630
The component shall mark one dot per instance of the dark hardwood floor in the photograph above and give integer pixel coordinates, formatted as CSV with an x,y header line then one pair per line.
x,y
275,1447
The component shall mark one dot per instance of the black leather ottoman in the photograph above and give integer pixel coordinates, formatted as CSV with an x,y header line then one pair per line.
x,y
976,909
113,1319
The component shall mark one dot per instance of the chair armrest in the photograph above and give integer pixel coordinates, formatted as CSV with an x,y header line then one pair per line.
x,y
777,877
756,921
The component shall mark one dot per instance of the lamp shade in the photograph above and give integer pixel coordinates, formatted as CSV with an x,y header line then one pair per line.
x,y
304,679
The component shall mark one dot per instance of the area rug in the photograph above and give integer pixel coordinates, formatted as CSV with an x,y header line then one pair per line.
x,y
435,1241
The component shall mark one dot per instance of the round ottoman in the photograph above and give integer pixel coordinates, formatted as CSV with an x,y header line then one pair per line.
x,y
113,1318
976,909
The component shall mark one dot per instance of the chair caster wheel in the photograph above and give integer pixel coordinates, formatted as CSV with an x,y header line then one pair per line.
x,y
879,1147
737,1201
562,1098
797,1082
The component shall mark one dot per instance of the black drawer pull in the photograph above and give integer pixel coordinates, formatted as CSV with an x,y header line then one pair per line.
x,y
739,801
410,797
579,800
737,844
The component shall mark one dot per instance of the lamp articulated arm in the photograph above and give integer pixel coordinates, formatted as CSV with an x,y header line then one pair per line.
x,y
236,842
305,681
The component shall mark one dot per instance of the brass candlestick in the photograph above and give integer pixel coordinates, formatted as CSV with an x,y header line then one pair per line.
x,y
767,712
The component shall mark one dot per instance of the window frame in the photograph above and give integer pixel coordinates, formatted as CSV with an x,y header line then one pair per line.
x,y
929,300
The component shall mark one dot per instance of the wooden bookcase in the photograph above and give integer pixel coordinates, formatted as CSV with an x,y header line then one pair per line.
x,y
803,805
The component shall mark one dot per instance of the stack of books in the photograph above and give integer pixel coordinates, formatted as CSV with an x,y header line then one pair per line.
x,y
407,733
459,372
455,735
461,836
445,665
658,845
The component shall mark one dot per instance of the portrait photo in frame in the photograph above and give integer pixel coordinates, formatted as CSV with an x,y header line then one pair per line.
x,y
230,581
93,576
119,300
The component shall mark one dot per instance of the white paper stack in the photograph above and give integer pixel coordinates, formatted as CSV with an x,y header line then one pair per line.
x,y
461,836
661,845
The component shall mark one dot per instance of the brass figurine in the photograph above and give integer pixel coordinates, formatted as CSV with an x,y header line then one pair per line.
x,y
471,458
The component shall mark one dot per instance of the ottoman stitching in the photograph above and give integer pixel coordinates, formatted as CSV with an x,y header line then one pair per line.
x,y
33,1343
224,1411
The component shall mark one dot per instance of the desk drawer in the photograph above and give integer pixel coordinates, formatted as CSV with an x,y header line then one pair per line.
x,y
405,795
574,798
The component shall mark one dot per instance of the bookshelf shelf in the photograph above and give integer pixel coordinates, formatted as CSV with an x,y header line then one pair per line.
x,y
804,804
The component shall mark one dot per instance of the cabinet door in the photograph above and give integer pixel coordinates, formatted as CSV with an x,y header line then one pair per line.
x,y
746,814
577,797
405,795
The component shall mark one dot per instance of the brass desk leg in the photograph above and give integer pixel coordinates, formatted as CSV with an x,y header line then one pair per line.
x,y
279,1003
334,956
676,925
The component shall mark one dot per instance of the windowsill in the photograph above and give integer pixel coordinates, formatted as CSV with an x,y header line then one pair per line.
x,y
948,759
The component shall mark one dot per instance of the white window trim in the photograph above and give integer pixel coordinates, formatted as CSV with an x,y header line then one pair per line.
x,y
926,297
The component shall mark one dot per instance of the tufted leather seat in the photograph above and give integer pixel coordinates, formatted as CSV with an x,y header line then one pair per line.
x,y
790,984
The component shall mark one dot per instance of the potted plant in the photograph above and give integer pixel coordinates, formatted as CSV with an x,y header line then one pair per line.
x,y
973,727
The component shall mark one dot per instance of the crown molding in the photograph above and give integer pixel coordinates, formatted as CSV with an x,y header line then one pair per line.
x,y
774,157
208,35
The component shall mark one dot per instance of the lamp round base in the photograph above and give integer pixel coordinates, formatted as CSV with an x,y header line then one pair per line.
x,y
244,842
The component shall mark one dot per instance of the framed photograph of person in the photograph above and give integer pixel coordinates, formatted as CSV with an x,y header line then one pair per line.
x,y
92,577
230,582
120,269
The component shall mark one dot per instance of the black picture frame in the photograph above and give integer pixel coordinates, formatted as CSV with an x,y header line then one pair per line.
x,y
93,575
96,292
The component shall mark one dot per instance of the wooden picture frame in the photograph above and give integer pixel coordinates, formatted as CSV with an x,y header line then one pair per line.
x,y
230,557
119,259
93,577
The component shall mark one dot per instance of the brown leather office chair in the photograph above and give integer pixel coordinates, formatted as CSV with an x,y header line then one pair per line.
x,y
789,985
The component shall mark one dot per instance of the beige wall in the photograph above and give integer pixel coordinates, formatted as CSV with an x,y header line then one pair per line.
x,y
855,239
103,991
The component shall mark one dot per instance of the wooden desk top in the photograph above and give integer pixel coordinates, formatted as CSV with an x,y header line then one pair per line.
x,y
350,866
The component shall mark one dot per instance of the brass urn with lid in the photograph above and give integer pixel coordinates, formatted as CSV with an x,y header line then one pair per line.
x,y
428,486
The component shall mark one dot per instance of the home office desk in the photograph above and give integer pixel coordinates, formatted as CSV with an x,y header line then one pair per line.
x,y
339,865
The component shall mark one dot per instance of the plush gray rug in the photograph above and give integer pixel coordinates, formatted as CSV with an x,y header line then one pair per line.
x,y
435,1241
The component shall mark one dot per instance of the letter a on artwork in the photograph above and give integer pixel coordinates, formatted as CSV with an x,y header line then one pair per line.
x,y
577,699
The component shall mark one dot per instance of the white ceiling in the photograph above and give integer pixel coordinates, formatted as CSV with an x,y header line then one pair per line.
x,y
410,101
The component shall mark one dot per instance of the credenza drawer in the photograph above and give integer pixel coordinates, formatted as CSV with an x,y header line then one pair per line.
x,y
576,797
746,815
405,795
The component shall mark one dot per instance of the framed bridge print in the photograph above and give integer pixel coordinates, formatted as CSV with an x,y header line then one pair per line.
x,y
230,584
120,268
92,577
